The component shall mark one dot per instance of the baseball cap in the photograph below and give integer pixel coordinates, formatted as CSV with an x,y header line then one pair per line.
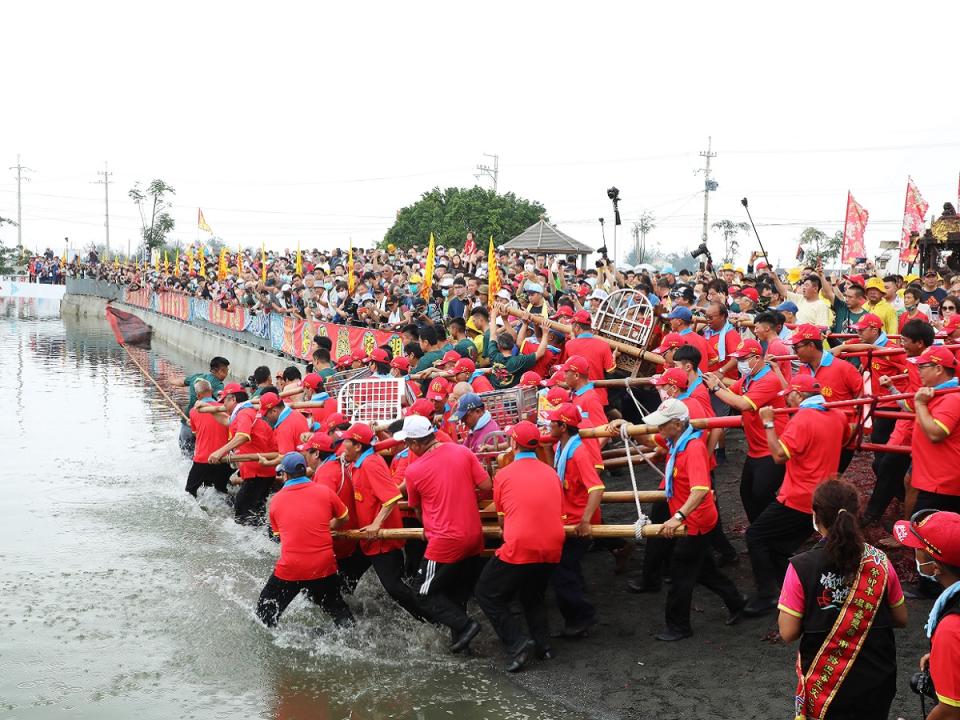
x,y
345,360
787,306
269,401
334,419
727,266
554,379
504,294
856,280
680,313
869,320
293,463
526,434
379,355
599,294
564,311
286,287
401,364
670,341
952,323
422,407
312,381
874,283
414,428
470,401
318,441
937,533
415,279
746,348
750,293
936,355
438,389
931,273
450,356
558,395
530,379
577,363
668,270
231,389
581,317
684,291
567,413
801,383
674,376
464,365
358,432
532,287
670,409
805,332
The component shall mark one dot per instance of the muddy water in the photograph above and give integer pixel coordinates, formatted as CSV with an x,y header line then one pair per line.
x,y
122,597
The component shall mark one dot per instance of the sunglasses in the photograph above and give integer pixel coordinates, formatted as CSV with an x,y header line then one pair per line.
x,y
948,307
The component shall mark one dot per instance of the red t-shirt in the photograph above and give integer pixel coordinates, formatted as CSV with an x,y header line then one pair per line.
x,y
260,440
336,477
702,395
543,365
300,514
580,479
700,343
598,356
762,391
936,466
838,381
480,384
903,431
907,317
812,442
887,365
527,494
319,415
443,484
691,471
211,435
372,489
777,347
287,433
731,340
945,660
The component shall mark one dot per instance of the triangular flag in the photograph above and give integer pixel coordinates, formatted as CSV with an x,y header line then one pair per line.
x,y
202,222
427,288
493,275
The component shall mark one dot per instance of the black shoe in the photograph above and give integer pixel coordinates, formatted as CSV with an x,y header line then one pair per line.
x,y
465,636
759,606
621,557
735,615
728,560
522,658
639,586
572,632
670,635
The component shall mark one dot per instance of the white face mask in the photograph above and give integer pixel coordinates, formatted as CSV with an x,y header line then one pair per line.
x,y
743,366
529,267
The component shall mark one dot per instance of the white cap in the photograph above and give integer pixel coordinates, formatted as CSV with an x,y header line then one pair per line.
x,y
286,287
504,293
599,294
446,282
414,428
670,409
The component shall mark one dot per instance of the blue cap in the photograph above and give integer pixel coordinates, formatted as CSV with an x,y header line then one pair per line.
x,y
681,313
668,270
294,463
470,401
533,287
787,306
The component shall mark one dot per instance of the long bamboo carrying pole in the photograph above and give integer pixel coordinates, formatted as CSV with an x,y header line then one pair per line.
x,y
149,377
492,531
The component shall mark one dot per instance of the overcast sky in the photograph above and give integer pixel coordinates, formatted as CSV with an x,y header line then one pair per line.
x,y
318,121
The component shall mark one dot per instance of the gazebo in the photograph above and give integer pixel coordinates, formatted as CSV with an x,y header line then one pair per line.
x,y
542,237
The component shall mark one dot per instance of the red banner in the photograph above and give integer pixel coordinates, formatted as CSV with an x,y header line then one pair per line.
x,y
140,298
235,319
914,211
298,334
174,304
853,229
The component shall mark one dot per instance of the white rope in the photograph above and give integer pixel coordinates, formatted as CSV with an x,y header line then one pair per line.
x,y
640,408
642,519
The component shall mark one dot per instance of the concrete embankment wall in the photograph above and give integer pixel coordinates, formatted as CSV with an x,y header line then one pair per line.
x,y
198,343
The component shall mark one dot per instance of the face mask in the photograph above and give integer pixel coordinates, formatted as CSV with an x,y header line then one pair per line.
x,y
909,308
328,286
445,292
529,267
921,572
342,294
744,367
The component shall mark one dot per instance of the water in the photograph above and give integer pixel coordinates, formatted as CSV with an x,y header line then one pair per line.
x,y
123,597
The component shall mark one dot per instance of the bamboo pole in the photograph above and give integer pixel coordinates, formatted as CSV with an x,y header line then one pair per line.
x,y
624,382
493,531
149,377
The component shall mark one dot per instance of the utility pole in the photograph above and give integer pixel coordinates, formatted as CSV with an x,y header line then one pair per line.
x,y
491,172
19,167
106,203
709,185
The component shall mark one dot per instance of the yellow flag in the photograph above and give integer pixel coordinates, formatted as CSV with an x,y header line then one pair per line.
x,y
116,263
201,263
239,261
299,268
189,260
351,279
166,263
222,265
202,222
263,262
493,275
156,261
427,288
176,264
63,260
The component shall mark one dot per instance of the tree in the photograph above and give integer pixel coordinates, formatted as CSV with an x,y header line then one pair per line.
x,y
158,222
818,246
645,225
450,213
677,259
730,231
10,257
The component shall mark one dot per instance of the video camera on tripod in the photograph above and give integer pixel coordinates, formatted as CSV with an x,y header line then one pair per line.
x,y
703,251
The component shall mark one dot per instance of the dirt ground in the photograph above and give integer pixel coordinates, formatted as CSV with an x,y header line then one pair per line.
x,y
621,671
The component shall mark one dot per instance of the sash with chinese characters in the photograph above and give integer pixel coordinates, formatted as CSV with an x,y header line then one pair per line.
x,y
816,689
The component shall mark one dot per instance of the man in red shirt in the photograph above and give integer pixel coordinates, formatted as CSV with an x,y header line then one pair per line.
x,y
809,447
288,425
681,322
249,434
582,494
465,370
691,503
529,504
723,338
442,484
313,384
302,514
595,351
210,434
757,386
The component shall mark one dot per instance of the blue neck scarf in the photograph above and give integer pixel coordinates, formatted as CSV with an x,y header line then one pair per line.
x,y
525,455
751,378
284,414
296,481
955,382
320,397
882,340
675,449
826,360
566,452
816,403
474,376
581,391
693,386
722,341
483,421
238,408
584,335
359,461
945,597
686,331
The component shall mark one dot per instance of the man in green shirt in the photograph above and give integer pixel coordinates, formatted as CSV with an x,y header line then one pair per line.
x,y
464,346
432,350
848,308
219,368
508,365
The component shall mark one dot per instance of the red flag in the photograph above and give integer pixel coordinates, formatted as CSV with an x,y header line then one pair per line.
x,y
914,211
853,229
127,328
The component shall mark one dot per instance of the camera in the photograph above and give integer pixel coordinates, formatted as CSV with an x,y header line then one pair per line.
x,y
701,250
613,193
922,684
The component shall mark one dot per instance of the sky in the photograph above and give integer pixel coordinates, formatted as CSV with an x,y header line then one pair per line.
x,y
317,122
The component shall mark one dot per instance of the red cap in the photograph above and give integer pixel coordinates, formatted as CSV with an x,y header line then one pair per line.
x,y
746,348
674,376
345,361
577,363
937,533
558,395
530,379
400,363
564,311
421,407
318,441
450,356
937,355
567,413
581,317
749,292
230,389
379,355
313,381
670,341
857,280
333,420
268,401
584,290
868,321
554,379
761,265
358,432
951,323
438,389
526,434
464,365
805,332
801,383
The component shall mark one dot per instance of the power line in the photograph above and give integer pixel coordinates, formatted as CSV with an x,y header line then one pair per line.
x,y
19,167
491,172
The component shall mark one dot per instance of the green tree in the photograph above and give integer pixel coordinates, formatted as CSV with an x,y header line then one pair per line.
x,y
154,207
10,257
817,245
730,232
450,213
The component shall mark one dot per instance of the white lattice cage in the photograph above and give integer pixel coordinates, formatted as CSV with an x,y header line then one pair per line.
x,y
508,407
335,382
372,400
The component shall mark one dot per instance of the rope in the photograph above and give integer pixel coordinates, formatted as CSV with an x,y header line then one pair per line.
x,y
149,377
642,519
640,408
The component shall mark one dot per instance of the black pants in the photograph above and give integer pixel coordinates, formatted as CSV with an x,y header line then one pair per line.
x,y
389,569
891,470
846,456
350,570
412,550
759,483
325,592
499,584
936,501
444,588
718,539
882,430
693,563
772,539
657,550
206,475
873,704
569,585
250,504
